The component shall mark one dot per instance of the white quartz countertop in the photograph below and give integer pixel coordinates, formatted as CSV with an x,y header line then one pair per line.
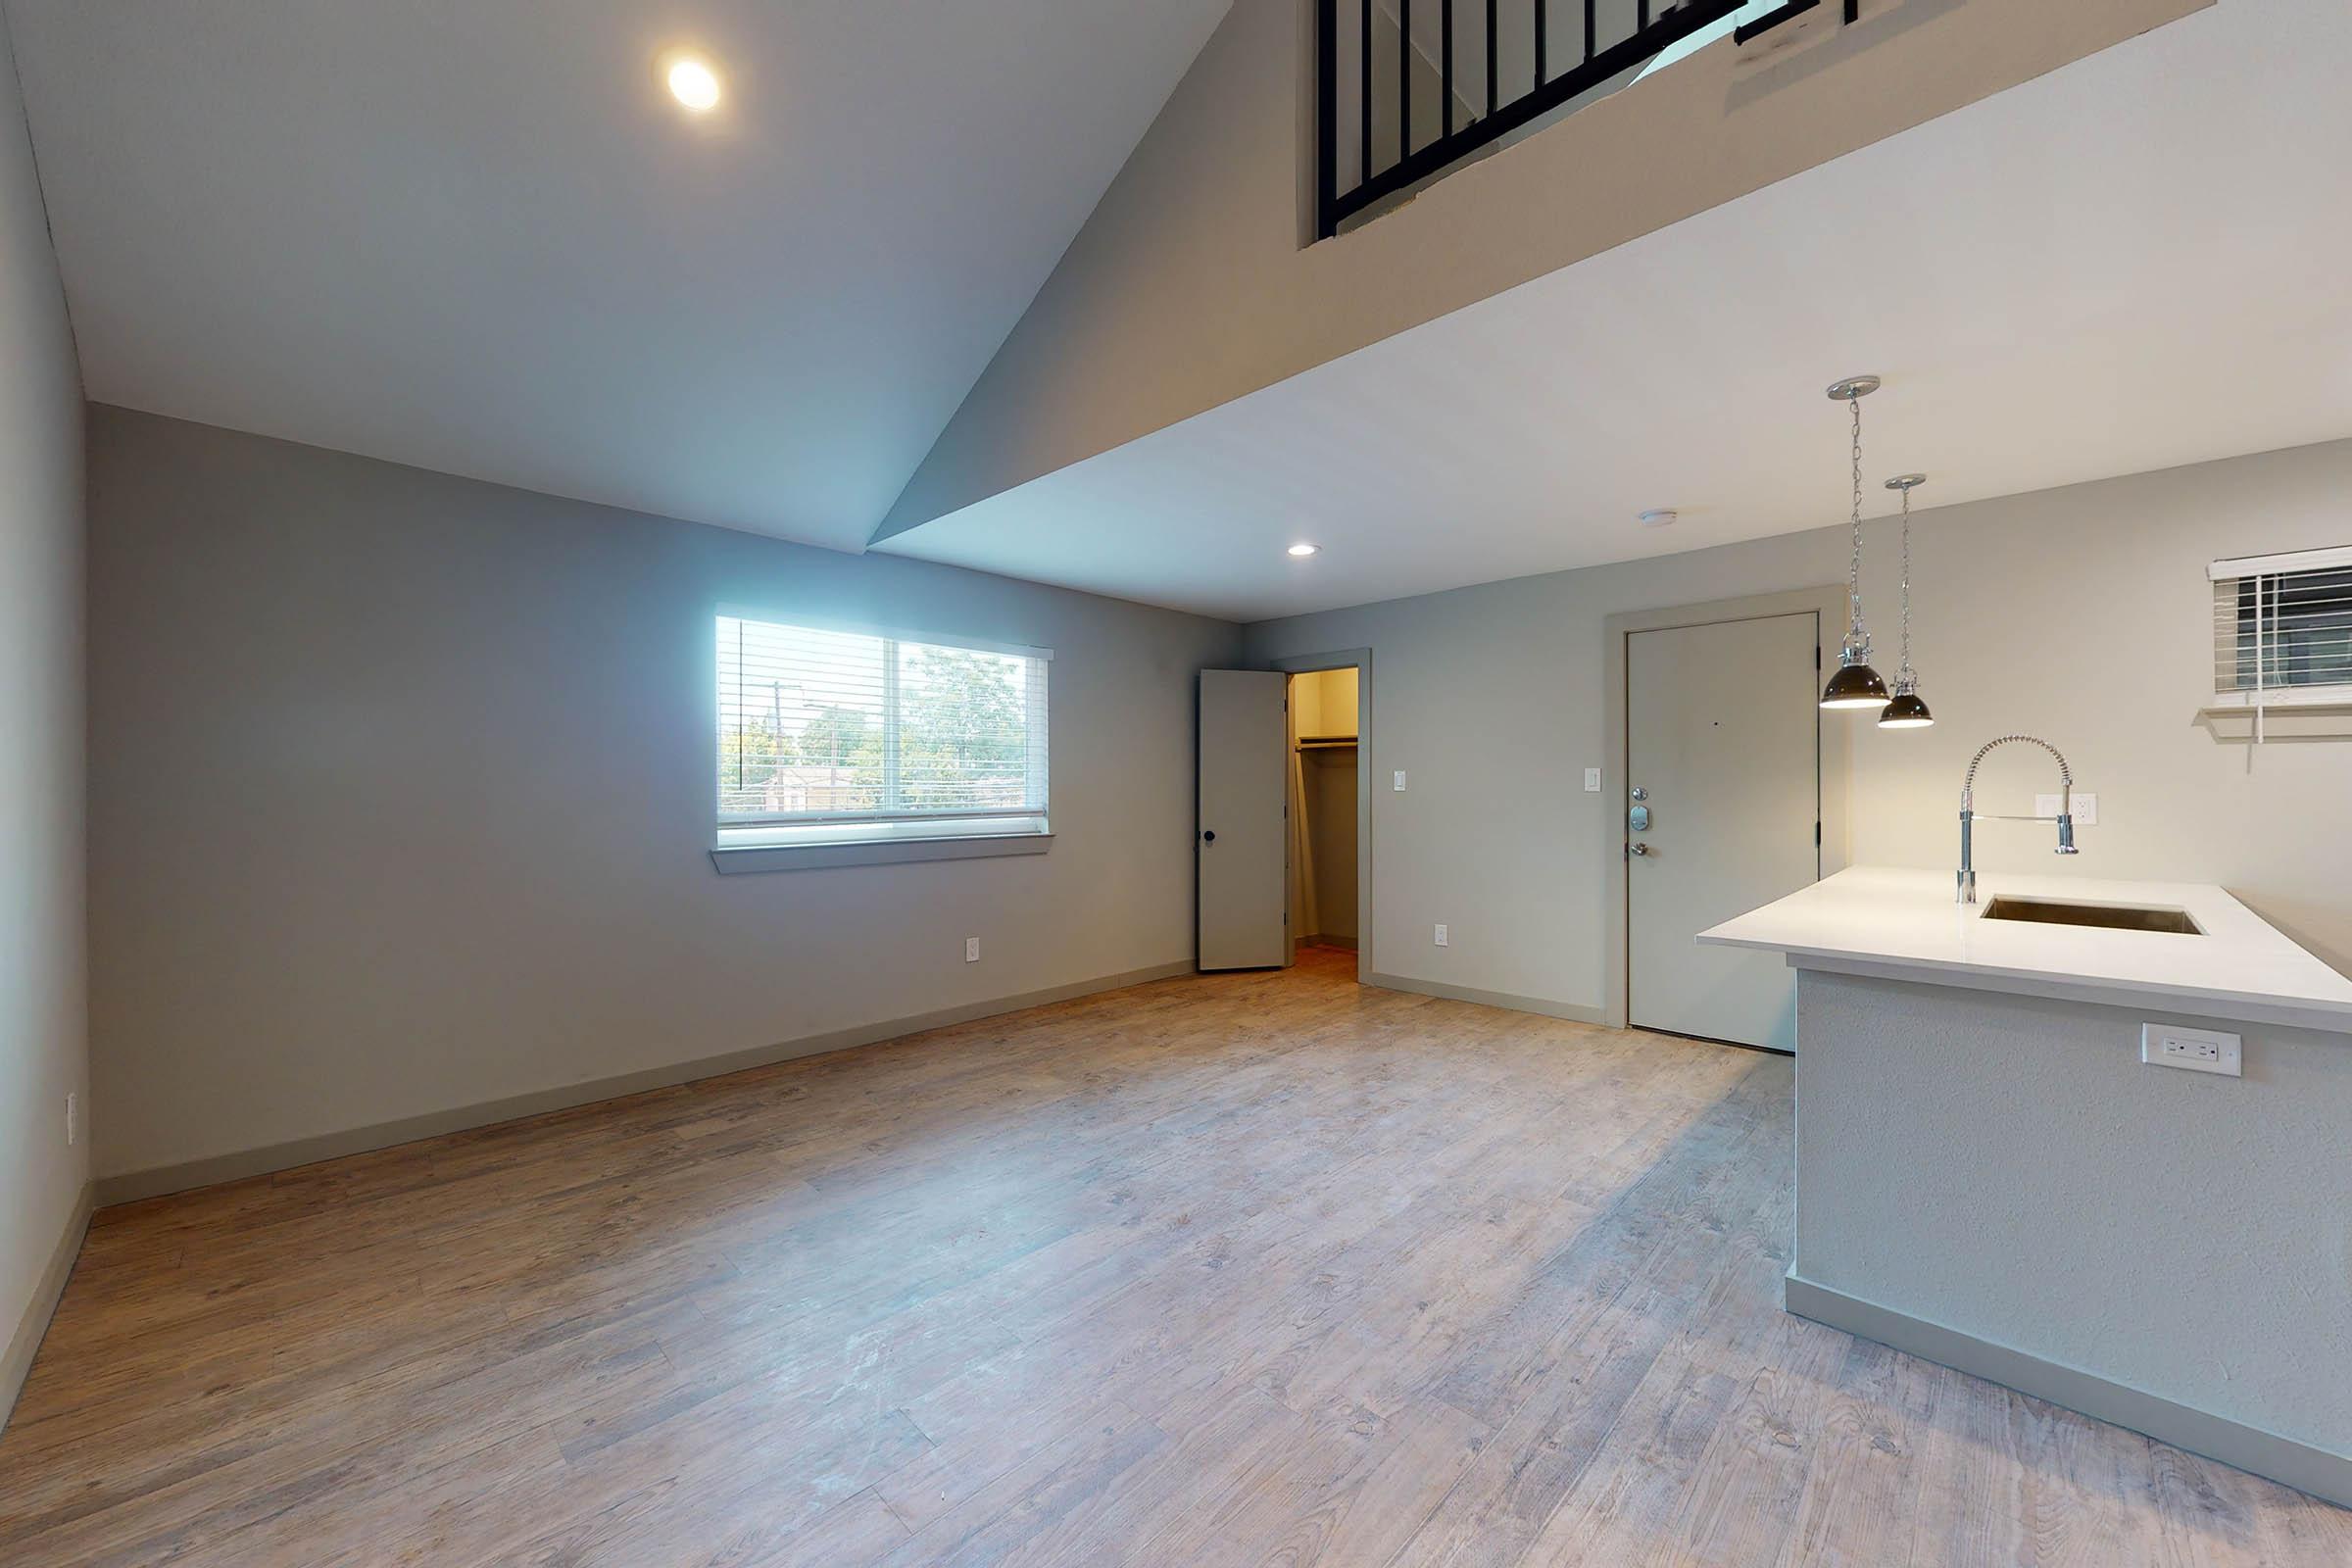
x,y
1904,924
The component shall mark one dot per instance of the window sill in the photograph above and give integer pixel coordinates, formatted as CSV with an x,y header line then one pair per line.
x,y
751,851
2333,695
2306,713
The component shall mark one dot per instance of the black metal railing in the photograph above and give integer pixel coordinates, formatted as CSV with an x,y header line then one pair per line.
x,y
1405,90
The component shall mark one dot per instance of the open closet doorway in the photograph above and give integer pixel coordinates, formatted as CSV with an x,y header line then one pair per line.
x,y
1330,892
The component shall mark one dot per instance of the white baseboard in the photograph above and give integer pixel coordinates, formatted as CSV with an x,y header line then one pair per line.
x,y
2285,1460
1542,1006
25,1342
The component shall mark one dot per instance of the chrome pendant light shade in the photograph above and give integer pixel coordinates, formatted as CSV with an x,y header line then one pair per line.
x,y
1855,685
1907,711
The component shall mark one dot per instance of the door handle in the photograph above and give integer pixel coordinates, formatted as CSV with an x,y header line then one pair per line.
x,y
1640,849
1209,836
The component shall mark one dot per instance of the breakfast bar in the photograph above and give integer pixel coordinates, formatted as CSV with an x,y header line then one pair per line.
x,y
2088,1139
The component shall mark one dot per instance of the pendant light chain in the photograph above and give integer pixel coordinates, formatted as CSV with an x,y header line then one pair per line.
x,y
1854,685
1854,574
1904,675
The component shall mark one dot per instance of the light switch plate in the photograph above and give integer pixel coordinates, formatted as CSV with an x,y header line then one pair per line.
x,y
2086,808
2171,1045
1400,778
1592,781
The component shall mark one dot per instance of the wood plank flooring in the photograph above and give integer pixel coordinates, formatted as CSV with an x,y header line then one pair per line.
x,y
1253,1269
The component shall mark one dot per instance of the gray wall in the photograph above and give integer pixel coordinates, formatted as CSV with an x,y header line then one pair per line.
x,y
2180,1234
2082,614
42,1054
401,797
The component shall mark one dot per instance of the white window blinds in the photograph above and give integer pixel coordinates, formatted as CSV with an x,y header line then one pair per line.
x,y
846,731
2283,628
2282,620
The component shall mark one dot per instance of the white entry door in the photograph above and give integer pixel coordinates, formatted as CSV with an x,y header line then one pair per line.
x,y
1240,843
1723,748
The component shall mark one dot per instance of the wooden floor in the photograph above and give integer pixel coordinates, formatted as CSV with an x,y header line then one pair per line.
x,y
1258,1269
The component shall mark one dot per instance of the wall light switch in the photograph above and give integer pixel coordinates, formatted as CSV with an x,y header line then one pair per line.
x,y
2169,1045
2086,808
1400,778
1441,936
972,950
1592,781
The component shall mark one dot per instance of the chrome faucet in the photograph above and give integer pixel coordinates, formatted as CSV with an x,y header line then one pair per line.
x,y
1968,813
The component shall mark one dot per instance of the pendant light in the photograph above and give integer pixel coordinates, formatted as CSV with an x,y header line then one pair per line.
x,y
1856,685
1907,711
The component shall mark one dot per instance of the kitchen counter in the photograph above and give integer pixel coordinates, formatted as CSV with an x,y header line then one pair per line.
x,y
1903,924
1990,1173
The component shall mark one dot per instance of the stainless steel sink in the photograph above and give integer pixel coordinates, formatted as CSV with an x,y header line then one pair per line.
x,y
2110,917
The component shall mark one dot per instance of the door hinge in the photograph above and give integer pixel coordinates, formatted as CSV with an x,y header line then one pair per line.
x,y
1817,835
1817,659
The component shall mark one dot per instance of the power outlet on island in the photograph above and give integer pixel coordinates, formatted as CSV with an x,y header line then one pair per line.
x,y
972,950
1441,936
2168,1044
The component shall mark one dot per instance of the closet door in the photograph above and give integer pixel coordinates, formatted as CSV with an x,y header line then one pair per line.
x,y
1240,848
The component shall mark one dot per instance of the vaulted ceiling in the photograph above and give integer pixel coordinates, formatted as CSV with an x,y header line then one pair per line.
x,y
479,237
2131,263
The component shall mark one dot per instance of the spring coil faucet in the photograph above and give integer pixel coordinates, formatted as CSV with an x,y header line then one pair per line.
x,y
1968,813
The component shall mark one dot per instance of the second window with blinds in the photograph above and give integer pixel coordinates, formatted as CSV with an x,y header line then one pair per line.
x,y
830,737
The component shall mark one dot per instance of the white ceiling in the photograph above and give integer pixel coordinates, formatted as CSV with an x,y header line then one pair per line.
x,y
477,237
2133,263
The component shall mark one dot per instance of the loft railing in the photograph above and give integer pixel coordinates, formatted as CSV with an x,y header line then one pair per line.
x,y
1405,89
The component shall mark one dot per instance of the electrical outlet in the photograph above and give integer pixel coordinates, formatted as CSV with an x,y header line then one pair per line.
x,y
2086,808
972,950
72,1117
2166,1045
1400,778
1592,781
1441,936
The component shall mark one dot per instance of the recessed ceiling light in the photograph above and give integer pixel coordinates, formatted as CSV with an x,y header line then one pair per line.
x,y
693,83
1303,550
1658,517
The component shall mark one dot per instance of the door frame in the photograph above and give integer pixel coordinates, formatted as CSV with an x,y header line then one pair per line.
x,y
1358,660
1833,750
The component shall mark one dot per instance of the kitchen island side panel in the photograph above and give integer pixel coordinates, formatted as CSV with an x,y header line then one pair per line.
x,y
2007,1169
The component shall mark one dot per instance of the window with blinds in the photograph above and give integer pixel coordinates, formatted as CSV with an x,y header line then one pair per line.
x,y
2283,628
837,736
